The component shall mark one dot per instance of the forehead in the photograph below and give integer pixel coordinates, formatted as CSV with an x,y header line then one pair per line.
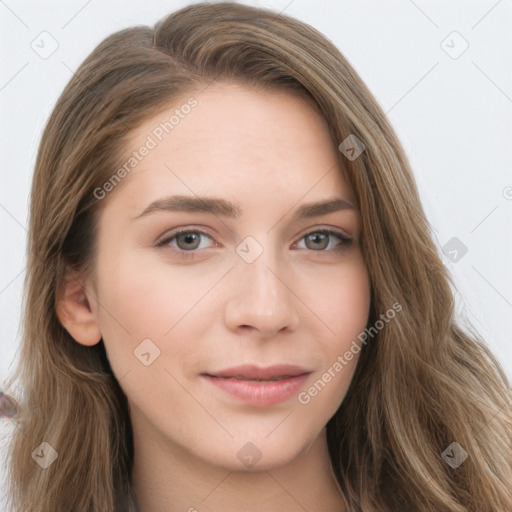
x,y
233,139
229,110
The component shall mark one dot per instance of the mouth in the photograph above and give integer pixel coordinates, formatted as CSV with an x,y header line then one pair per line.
x,y
256,373
257,386
240,377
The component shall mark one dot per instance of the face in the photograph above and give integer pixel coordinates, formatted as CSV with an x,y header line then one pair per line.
x,y
198,302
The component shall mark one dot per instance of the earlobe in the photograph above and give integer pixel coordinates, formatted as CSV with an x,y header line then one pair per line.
x,y
76,315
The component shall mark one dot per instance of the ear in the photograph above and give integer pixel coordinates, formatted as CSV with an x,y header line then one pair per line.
x,y
75,313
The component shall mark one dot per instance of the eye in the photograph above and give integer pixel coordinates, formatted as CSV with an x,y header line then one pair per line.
x,y
189,241
184,240
320,240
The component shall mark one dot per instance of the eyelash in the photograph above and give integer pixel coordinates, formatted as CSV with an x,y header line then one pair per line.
x,y
345,241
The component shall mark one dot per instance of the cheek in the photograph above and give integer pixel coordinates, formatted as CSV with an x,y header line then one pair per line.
x,y
148,300
165,304
341,301
344,309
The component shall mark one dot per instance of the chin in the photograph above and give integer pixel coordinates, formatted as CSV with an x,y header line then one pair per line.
x,y
257,455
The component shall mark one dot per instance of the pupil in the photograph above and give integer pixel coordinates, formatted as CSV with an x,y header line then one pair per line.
x,y
315,238
189,238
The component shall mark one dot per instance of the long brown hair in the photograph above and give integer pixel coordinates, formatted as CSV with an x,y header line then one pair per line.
x,y
421,383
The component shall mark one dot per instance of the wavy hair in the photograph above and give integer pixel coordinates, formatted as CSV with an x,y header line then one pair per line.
x,y
420,384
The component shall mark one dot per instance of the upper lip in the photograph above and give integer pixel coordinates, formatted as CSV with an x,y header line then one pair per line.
x,y
259,373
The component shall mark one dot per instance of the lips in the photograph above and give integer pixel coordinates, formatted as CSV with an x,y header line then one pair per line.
x,y
260,387
252,372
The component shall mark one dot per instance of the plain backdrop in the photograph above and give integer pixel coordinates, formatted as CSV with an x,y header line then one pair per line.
x,y
440,70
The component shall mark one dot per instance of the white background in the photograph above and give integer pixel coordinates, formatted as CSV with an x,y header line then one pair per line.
x,y
453,116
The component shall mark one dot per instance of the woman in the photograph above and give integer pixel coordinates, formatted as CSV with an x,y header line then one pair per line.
x,y
233,297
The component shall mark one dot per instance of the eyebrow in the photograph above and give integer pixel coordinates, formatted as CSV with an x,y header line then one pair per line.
x,y
223,208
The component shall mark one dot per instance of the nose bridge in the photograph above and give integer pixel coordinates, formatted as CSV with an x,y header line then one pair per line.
x,y
263,283
261,298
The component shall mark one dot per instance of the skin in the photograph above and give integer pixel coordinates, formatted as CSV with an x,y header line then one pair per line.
x,y
299,302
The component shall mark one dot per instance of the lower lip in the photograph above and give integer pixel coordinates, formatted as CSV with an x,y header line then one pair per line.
x,y
262,394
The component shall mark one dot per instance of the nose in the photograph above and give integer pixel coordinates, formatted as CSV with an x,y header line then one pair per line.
x,y
261,298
